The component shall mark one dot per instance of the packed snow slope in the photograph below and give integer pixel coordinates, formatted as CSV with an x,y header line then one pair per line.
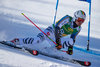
x,y
41,12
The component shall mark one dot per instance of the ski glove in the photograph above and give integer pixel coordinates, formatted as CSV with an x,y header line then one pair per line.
x,y
70,50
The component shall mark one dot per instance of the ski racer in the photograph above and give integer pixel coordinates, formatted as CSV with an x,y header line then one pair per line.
x,y
67,25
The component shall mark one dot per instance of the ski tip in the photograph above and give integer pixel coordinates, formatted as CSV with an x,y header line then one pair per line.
x,y
35,52
2,42
86,63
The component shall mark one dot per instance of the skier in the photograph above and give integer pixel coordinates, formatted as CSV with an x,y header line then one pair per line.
x,y
67,25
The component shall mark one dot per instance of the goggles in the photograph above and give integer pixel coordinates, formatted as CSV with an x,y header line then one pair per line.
x,y
80,20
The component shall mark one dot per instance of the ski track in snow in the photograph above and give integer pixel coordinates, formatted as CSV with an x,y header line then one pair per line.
x,y
14,25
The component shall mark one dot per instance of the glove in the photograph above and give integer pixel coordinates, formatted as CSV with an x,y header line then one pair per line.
x,y
59,47
70,50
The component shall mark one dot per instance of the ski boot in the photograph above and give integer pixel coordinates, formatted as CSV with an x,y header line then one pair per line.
x,y
16,42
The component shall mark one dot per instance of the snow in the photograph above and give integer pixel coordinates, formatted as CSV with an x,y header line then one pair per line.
x,y
41,12
13,58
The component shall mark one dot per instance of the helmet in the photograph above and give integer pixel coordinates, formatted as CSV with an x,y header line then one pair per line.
x,y
79,14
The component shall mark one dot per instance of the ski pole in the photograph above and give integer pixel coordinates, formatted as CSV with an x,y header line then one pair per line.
x,y
38,28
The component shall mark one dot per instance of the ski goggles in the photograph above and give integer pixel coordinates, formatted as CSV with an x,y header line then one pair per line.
x,y
80,20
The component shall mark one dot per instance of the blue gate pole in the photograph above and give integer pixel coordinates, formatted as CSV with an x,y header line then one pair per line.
x,y
56,11
89,26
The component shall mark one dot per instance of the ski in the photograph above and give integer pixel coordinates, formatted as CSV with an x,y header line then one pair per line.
x,y
36,52
82,63
33,52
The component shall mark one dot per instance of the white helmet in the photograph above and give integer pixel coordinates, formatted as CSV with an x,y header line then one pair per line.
x,y
79,14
